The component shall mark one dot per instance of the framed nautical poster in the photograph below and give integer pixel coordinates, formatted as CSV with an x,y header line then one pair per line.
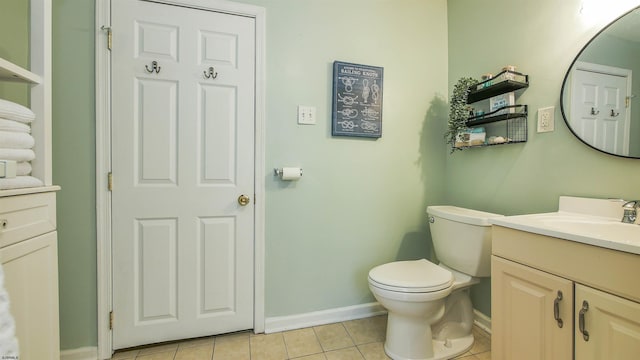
x,y
357,100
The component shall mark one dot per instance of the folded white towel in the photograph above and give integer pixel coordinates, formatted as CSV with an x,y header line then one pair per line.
x,y
12,111
23,168
20,182
15,140
17,154
8,342
15,126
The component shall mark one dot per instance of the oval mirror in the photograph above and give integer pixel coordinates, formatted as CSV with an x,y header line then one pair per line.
x,y
599,97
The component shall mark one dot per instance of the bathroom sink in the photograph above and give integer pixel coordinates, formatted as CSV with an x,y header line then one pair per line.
x,y
604,229
590,226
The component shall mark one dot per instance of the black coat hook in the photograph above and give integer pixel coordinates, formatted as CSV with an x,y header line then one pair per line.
x,y
212,74
154,67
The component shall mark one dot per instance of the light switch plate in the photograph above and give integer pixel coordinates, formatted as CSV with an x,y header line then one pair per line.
x,y
546,119
306,115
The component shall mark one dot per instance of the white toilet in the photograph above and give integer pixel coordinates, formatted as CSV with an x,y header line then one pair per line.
x,y
429,310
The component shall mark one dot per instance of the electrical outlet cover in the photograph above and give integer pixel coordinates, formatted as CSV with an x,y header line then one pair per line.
x,y
546,119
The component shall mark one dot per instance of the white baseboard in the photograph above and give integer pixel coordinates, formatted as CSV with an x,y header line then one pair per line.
x,y
299,321
84,353
482,321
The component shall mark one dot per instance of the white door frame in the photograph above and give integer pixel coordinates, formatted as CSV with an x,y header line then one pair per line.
x,y
103,159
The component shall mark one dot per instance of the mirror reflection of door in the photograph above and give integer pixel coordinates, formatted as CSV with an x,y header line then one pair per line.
x,y
599,111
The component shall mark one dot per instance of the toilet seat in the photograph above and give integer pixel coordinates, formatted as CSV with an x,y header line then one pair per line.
x,y
416,276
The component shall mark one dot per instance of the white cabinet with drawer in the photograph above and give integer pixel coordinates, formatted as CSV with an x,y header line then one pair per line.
x,y
23,217
29,258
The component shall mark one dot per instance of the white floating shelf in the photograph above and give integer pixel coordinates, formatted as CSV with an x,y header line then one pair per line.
x,y
12,72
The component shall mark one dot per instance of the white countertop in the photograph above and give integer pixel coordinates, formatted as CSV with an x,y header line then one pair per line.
x,y
589,221
31,190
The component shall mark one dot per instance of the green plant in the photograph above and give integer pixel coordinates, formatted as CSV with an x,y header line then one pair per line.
x,y
458,110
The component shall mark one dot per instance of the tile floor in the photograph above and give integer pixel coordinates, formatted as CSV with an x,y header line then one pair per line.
x,y
356,339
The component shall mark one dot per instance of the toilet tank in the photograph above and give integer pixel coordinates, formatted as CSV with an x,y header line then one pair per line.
x,y
462,238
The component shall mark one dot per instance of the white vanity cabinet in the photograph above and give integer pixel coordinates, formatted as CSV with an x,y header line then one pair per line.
x,y
29,257
523,303
529,269
28,236
611,325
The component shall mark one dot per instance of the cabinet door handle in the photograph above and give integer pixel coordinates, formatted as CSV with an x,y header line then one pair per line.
x,y
556,309
581,325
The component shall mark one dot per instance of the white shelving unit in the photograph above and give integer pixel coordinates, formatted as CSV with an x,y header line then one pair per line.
x,y
28,236
41,128
39,76
12,72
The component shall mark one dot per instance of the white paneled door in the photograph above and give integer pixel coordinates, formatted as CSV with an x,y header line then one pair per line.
x,y
599,113
183,85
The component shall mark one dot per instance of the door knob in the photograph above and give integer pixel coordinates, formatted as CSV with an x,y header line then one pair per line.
x,y
244,200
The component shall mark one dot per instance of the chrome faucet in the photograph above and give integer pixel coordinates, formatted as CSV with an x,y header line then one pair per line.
x,y
630,213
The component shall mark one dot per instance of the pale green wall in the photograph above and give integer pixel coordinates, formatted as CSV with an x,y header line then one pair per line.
x,y
361,202
74,169
541,38
14,47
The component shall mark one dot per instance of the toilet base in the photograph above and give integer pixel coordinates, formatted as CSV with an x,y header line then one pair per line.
x,y
442,350
408,336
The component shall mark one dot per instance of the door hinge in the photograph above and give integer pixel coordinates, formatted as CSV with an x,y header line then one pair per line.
x,y
626,101
110,320
110,181
109,35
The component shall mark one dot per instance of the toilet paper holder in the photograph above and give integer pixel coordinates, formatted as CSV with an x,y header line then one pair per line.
x,y
280,172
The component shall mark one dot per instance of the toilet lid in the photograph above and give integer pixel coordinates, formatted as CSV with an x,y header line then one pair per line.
x,y
411,276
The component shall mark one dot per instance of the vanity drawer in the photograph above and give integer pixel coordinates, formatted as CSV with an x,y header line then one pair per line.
x,y
25,216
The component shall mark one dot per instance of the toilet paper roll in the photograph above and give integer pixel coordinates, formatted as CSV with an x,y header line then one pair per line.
x,y
291,173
